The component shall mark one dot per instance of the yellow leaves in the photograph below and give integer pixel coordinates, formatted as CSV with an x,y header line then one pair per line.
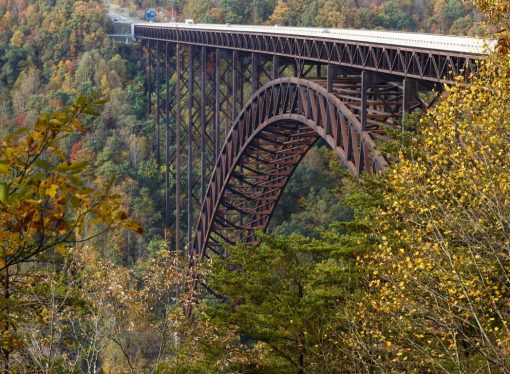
x,y
4,192
52,191
72,167
61,249
4,166
441,243
17,39
42,192
133,226
120,215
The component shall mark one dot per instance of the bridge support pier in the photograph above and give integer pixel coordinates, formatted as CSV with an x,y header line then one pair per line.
x,y
409,93
191,93
367,80
168,139
276,68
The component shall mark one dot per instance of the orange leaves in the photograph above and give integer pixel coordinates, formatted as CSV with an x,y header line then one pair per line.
x,y
503,45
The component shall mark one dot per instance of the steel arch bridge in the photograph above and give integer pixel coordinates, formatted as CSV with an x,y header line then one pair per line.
x,y
240,107
273,132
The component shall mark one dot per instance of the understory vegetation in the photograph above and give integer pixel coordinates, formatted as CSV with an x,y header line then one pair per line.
x,y
404,272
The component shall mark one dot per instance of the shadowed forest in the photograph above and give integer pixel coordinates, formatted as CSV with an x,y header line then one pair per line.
x,y
405,272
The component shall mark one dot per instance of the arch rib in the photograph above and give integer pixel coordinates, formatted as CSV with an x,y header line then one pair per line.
x,y
270,136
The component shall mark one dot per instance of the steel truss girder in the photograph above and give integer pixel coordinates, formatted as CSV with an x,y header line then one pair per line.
x,y
424,64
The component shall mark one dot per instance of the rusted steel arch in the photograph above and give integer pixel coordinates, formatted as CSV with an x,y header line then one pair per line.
x,y
270,136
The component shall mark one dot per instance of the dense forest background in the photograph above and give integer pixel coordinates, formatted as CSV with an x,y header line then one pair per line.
x,y
433,16
407,273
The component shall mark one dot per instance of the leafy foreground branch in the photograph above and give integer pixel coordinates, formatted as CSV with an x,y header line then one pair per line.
x,y
440,286
46,200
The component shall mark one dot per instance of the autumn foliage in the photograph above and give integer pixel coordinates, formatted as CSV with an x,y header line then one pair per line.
x,y
45,201
440,274
408,273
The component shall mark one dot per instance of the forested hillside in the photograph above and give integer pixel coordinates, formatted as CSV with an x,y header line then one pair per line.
x,y
435,16
403,272
65,307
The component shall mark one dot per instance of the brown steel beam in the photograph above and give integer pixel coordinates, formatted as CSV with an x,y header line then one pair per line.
x,y
178,56
419,63
191,93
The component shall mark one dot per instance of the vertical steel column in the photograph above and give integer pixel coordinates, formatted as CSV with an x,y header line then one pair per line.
x,y
149,78
242,68
367,80
203,134
178,149
410,91
191,79
158,104
254,73
216,103
332,71
235,82
167,137
275,74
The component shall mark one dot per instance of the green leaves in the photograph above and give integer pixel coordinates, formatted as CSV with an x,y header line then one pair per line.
x,y
72,167
43,164
282,295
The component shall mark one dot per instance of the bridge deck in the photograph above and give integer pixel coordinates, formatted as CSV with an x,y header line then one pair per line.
x,y
435,58
459,44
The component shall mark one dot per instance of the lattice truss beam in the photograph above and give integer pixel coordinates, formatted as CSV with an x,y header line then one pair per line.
x,y
276,129
417,63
